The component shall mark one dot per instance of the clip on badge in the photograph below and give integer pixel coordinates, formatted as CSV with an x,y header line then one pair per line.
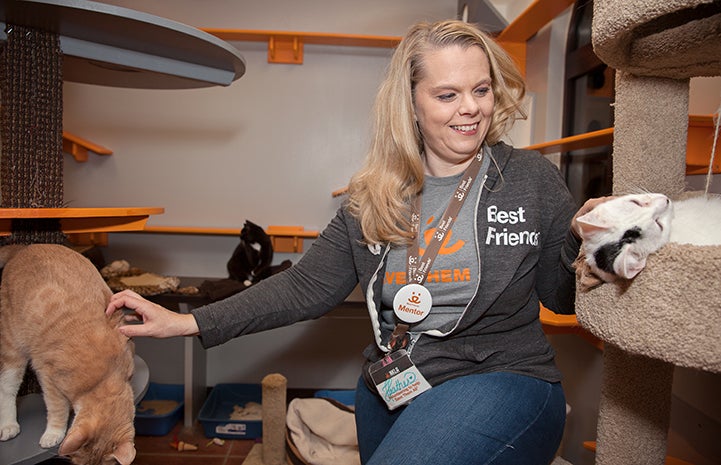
x,y
397,379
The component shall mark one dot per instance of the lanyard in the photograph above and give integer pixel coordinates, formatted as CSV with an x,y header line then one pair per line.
x,y
417,268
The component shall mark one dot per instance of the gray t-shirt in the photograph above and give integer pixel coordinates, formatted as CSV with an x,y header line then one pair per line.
x,y
454,275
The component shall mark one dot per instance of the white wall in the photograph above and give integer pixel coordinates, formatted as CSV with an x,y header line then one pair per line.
x,y
269,148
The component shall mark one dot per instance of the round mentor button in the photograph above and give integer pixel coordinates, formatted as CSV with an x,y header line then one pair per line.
x,y
412,303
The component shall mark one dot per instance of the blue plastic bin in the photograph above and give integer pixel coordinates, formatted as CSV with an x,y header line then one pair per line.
x,y
216,411
152,423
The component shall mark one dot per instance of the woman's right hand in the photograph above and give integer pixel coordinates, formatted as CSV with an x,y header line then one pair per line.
x,y
157,321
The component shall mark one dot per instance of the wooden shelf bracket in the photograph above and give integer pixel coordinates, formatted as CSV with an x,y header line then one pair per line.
x,y
283,49
79,147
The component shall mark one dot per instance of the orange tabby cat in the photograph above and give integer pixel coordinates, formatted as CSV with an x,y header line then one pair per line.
x,y
52,313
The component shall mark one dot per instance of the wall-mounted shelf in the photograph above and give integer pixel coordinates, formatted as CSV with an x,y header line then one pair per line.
x,y
79,148
698,145
582,141
285,239
287,47
555,323
698,149
82,220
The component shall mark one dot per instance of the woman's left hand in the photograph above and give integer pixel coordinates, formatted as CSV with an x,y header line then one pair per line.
x,y
157,321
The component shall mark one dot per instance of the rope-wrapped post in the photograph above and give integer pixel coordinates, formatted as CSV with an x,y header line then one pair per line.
x,y
31,127
274,388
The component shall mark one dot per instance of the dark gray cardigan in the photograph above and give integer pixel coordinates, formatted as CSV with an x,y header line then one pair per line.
x,y
499,331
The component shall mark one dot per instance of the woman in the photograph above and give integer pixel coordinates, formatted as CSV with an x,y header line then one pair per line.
x,y
454,238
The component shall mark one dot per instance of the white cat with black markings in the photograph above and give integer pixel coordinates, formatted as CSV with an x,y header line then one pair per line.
x,y
620,234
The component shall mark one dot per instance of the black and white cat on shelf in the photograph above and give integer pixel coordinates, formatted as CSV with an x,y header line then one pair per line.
x,y
250,263
252,257
619,234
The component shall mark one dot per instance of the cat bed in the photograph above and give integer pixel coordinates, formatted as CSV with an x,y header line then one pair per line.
x,y
119,276
667,312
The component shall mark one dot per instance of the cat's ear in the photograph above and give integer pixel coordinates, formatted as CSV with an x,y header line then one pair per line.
x,y
591,223
628,264
124,454
75,438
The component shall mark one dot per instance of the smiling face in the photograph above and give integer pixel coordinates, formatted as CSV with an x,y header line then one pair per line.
x,y
453,103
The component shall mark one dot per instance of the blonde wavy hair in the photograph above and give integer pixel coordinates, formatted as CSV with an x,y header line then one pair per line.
x,y
381,191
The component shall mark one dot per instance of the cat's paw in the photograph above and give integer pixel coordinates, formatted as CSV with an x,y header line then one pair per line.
x,y
9,431
52,437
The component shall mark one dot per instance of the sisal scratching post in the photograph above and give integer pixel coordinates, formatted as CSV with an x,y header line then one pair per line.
x,y
31,125
31,130
272,449
274,410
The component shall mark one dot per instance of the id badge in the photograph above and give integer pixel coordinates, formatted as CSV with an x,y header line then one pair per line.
x,y
397,379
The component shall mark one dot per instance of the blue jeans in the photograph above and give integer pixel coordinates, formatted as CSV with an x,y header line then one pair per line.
x,y
493,418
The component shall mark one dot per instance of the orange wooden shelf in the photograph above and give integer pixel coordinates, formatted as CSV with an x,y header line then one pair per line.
x,y
578,142
699,144
79,147
698,151
555,323
192,230
288,239
539,13
320,38
82,220
287,47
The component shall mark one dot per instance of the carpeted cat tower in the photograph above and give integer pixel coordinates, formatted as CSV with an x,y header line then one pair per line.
x,y
669,315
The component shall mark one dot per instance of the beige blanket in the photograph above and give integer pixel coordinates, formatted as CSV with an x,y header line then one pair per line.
x,y
323,433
